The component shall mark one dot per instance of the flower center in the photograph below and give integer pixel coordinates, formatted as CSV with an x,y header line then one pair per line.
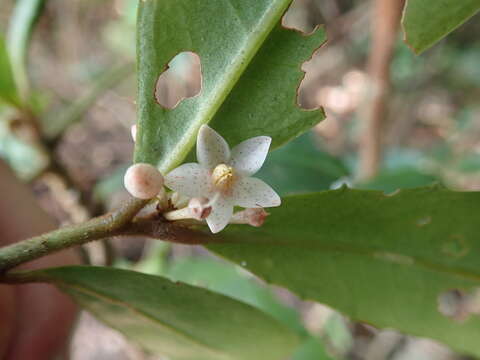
x,y
223,176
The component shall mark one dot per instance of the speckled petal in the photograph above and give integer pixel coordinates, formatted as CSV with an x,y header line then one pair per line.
x,y
190,180
212,149
253,193
249,155
222,211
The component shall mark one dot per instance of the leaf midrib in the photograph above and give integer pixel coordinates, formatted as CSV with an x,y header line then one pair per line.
x,y
242,61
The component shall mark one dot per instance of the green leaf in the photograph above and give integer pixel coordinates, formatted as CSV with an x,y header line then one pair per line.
x,y
314,169
311,349
263,102
380,259
8,90
426,22
250,73
404,177
174,319
230,280
22,21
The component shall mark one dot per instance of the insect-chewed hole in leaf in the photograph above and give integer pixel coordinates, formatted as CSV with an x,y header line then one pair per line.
x,y
303,16
318,88
459,305
181,80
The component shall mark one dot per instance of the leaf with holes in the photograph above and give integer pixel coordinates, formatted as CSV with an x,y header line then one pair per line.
x,y
171,318
426,22
386,260
250,71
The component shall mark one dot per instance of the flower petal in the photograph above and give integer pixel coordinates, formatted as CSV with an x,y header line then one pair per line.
x,y
222,211
212,149
190,180
251,192
249,155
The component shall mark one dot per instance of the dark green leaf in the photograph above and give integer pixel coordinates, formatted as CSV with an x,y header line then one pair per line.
x,y
385,260
231,280
227,279
263,102
426,22
174,319
250,72
400,178
314,169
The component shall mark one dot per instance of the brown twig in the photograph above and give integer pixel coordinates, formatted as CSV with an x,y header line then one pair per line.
x,y
118,223
98,228
386,19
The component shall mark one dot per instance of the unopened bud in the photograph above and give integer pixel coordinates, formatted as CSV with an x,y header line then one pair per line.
x,y
133,131
200,208
252,216
143,181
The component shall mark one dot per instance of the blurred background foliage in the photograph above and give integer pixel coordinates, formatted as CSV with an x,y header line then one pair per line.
x,y
69,101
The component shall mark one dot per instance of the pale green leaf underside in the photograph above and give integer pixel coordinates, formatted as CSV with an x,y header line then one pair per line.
x,y
231,37
426,22
174,319
379,259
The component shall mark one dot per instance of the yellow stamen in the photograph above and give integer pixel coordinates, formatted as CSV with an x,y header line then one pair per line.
x,y
223,176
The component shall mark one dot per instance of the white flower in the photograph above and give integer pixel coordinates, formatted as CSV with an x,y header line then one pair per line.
x,y
223,176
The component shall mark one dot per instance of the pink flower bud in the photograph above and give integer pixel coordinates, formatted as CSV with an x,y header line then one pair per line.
x,y
143,181
252,216
200,208
256,216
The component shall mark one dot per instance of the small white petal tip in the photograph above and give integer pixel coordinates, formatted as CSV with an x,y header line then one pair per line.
x,y
143,181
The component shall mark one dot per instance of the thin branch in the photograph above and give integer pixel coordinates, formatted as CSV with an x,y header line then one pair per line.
x,y
384,30
98,228
180,232
118,223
